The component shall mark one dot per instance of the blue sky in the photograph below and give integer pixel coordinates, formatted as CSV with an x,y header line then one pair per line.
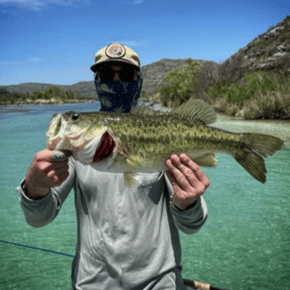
x,y
50,41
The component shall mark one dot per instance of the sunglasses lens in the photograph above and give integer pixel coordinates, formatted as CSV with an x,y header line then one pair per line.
x,y
126,74
106,75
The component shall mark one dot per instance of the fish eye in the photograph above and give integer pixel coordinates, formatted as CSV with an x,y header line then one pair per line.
x,y
75,116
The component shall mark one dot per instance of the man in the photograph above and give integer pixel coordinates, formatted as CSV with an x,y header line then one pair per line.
x,y
127,237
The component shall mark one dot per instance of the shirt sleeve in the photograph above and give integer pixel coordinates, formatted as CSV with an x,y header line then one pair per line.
x,y
189,220
41,212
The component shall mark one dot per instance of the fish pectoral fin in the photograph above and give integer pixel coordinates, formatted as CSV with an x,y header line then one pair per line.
x,y
131,178
205,159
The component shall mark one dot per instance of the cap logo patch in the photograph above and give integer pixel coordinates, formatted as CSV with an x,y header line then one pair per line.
x,y
115,50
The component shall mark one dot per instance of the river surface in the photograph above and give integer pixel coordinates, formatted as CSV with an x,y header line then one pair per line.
x,y
245,243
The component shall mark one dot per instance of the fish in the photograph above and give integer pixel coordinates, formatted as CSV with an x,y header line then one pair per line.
x,y
142,140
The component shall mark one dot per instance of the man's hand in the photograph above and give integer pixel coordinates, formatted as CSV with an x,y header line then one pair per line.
x,y
48,169
187,179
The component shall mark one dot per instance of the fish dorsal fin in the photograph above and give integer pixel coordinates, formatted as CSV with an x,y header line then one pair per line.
x,y
196,110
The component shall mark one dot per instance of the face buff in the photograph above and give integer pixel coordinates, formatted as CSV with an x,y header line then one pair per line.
x,y
118,96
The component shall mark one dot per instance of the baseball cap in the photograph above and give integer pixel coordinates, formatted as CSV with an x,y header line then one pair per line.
x,y
116,52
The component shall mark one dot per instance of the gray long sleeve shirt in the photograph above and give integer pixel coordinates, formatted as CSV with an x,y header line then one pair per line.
x,y
127,237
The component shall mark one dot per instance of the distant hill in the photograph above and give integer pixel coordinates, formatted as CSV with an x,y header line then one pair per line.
x,y
83,89
153,77
155,72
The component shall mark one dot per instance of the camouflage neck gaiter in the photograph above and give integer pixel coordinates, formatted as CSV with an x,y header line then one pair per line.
x,y
118,96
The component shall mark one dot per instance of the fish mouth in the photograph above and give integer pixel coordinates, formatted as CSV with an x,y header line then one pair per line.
x,y
105,148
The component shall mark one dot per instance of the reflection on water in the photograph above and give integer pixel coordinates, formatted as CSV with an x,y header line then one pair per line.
x,y
278,128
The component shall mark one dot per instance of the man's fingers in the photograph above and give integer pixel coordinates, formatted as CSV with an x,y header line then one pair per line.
x,y
52,166
184,174
171,178
187,179
196,169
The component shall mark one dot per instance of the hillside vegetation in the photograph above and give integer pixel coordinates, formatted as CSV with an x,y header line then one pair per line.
x,y
52,95
261,95
254,83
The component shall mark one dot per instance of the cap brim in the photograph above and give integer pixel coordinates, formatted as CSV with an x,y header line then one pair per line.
x,y
95,66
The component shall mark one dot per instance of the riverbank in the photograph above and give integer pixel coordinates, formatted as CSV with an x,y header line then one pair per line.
x,y
51,101
28,107
52,95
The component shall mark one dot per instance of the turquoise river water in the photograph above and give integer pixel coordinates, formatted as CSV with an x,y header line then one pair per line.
x,y
245,243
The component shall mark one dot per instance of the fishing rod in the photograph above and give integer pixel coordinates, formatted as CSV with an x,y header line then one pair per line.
x,y
189,284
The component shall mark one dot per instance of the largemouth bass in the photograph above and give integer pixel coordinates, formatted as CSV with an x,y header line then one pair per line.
x,y
141,141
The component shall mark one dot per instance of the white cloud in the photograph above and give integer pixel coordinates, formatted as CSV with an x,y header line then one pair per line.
x,y
20,61
38,4
35,59
138,1
130,43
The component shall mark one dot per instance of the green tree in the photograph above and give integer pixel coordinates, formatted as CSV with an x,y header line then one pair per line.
x,y
260,82
178,83
69,94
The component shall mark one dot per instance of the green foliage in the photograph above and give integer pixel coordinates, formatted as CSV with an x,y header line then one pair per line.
x,y
231,92
272,105
144,96
52,94
262,43
261,96
37,95
254,83
3,91
260,82
177,84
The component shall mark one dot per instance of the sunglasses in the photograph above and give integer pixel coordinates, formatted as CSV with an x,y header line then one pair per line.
x,y
107,73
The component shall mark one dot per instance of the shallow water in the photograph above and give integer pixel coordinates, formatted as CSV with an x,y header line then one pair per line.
x,y
245,243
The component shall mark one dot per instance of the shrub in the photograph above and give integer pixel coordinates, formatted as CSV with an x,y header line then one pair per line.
x,y
37,95
272,105
259,82
177,84
218,90
254,83
236,93
69,94
52,92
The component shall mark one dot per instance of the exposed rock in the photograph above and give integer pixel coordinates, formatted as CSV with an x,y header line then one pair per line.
x,y
269,51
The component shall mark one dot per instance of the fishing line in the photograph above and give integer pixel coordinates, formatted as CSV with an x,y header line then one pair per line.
x,y
36,248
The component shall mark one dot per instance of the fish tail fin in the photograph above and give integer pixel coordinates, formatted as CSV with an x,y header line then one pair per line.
x,y
258,147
